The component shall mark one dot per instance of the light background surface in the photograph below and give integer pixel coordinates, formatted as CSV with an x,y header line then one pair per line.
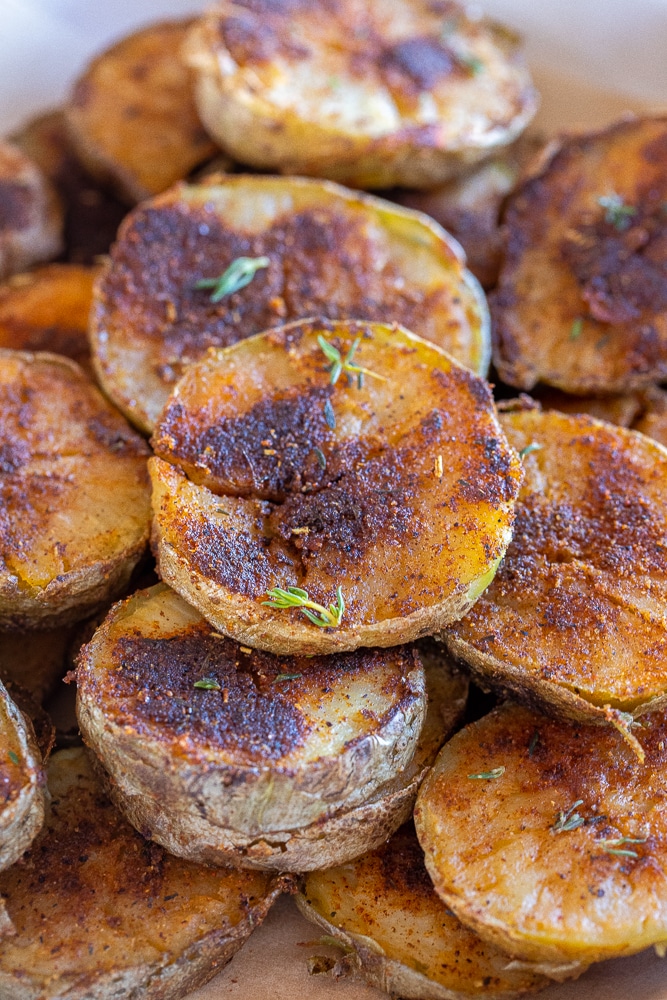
x,y
593,59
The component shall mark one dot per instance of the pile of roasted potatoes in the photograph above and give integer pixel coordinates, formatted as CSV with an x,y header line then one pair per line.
x,y
399,647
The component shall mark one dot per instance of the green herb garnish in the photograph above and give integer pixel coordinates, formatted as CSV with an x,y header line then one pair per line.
x,y
329,415
295,597
321,457
208,684
614,846
617,213
497,772
576,328
529,449
286,677
569,820
12,756
338,364
534,740
239,274
471,63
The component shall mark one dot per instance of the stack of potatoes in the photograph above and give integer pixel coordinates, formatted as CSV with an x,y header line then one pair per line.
x,y
344,527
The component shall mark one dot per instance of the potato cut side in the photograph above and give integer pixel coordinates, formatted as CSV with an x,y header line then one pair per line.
x,y
47,310
132,117
399,490
397,933
22,781
581,302
576,616
125,918
213,748
30,213
320,251
74,493
547,837
37,660
371,95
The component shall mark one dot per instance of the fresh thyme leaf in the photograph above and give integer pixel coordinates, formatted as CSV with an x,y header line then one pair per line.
x,y
615,846
207,684
471,63
529,449
576,328
497,772
321,458
239,274
221,510
13,757
295,597
329,415
286,677
569,820
534,740
338,364
617,213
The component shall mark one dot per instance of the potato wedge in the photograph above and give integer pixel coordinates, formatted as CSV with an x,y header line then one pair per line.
x,y
74,489
47,310
36,661
220,752
373,95
132,117
22,782
124,918
576,617
399,935
395,494
581,302
331,253
547,838
30,214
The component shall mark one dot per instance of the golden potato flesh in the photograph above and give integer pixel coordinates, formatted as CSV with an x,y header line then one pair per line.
x,y
217,751
101,912
132,117
383,908
47,310
22,784
324,251
75,498
576,615
30,213
394,488
373,95
581,302
548,838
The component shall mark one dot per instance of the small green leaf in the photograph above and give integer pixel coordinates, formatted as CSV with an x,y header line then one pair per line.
x,y
617,213
239,274
208,684
497,772
13,757
569,820
530,448
286,677
576,328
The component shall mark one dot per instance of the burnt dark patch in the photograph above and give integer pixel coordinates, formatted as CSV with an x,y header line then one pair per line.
x,y
402,864
424,62
236,561
114,435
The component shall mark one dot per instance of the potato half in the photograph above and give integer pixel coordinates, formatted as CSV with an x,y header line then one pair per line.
x,y
576,617
383,910
125,919
581,302
548,838
74,488
396,493
30,213
22,783
132,116
218,751
324,251
369,94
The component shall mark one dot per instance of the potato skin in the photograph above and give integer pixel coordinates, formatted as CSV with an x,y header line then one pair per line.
x,y
31,219
298,89
22,777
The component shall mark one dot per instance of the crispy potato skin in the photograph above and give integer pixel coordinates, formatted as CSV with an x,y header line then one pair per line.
x,y
74,488
383,908
219,775
127,919
132,118
406,493
574,618
498,859
581,302
303,89
332,253
30,214
22,782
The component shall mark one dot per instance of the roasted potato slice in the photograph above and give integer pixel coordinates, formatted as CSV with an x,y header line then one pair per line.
x,y
582,296
132,117
621,410
547,838
47,310
384,911
74,488
22,779
220,752
393,495
372,95
30,213
652,420
330,253
576,615
35,660
124,918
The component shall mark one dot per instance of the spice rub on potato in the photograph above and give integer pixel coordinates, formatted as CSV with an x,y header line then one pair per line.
x,y
22,783
282,249
581,302
373,95
132,116
576,616
47,310
398,934
75,496
30,213
228,755
125,919
548,838
353,464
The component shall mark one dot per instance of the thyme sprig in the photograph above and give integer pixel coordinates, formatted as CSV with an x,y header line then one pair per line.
x,y
569,819
497,772
318,614
614,846
530,448
617,213
239,274
207,684
339,364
